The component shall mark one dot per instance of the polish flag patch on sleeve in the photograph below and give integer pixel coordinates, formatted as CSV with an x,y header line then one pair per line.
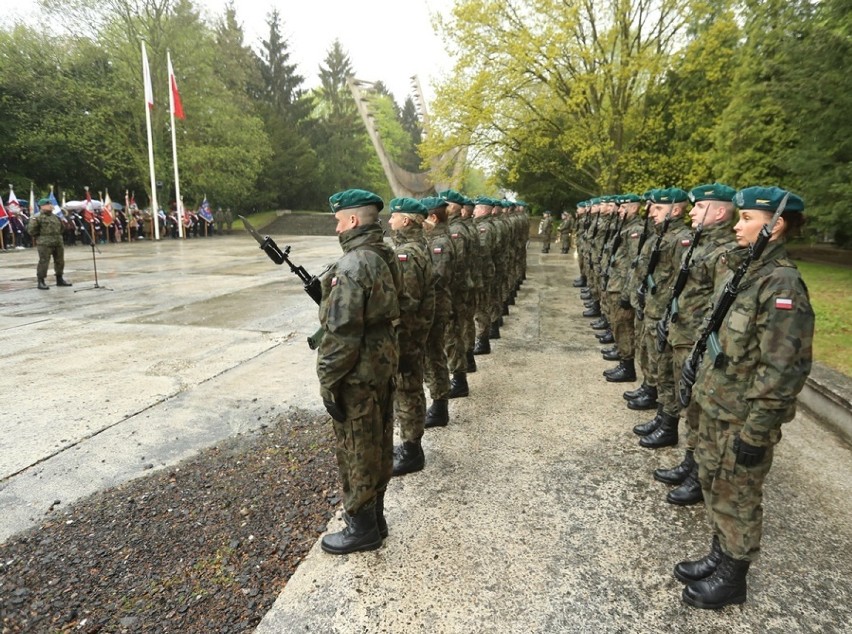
x,y
454,235
783,304
634,235
685,242
438,250
403,257
333,282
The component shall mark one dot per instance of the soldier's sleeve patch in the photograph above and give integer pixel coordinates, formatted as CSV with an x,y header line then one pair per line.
x,y
685,242
783,304
454,235
333,282
403,257
482,230
438,250
634,235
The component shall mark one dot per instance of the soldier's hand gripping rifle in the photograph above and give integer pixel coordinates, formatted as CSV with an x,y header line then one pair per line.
x,y
648,283
311,283
607,234
673,310
592,237
616,243
709,339
642,237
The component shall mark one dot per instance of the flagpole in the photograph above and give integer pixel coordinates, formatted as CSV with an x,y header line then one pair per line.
x,y
178,200
149,101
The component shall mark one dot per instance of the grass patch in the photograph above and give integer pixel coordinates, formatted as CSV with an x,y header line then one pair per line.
x,y
831,297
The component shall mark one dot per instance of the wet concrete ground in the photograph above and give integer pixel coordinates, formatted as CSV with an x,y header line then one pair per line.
x,y
536,511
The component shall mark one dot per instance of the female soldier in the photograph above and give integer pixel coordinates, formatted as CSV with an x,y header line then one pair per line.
x,y
766,342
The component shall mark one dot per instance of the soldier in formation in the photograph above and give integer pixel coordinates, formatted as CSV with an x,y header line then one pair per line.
x,y
675,293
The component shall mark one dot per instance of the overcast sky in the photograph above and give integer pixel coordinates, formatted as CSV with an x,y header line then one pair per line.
x,y
387,40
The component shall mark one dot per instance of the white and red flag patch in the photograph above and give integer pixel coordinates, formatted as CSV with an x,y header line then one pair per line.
x,y
403,257
438,250
685,242
782,303
333,282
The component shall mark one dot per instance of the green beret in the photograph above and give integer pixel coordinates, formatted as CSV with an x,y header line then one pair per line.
x,y
520,203
594,201
452,196
583,204
669,196
407,206
547,212
483,200
629,198
714,191
767,199
678,195
647,195
44,201
468,201
354,198
433,202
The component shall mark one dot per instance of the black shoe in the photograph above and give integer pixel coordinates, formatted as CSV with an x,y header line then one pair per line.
x,y
494,331
606,337
632,394
665,435
500,321
510,301
586,295
626,374
482,346
471,361
579,282
689,492
600,324
437,415
42,286
60,281
610,354
646,428
360,533
589,304
594,311
676,475
381,522
564,251
648,400
458,386
726,586
505,308
408,458
689,571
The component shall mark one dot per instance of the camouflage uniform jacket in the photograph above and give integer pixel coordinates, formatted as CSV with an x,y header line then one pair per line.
x,y
443,265
674,244
358,313
545,227
461,243
767,337
472,246
417,296
565,227
619,270
486,249
696,297
47,228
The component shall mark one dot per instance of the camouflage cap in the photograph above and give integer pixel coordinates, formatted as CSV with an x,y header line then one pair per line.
x,y
452,196
354,198
714,191
407,206
433,202
767,199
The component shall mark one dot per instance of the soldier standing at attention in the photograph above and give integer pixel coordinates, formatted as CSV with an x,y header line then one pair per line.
x,y
545,230
229,219
766,349
443,264
482,319
219,217
47,229
474,258
356,364
565,228
416,310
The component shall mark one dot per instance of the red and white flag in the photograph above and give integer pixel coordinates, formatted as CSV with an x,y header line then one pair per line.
x,y
783,303
88,214
174,96
106,211
146,78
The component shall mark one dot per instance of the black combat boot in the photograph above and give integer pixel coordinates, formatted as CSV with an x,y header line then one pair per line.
x,y
437,414
600,324
646,428
42,286
471,361
610,354
482,346
500,322
648,400
586,294
612,371
361,533
61,281
689,571
381,522
494,331
579,282
625,375
689,492
408,458
594,311
606,337
726,586
589,304
458,386
665,435
629,395
510,301
676,475
505,308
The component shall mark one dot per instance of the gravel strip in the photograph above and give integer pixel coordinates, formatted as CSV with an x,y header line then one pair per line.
x,y
206,546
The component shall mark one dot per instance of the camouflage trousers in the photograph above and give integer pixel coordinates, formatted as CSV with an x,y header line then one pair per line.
x,y
482,318
664,373
667,395
641,354
621,323
733,494
467,311
437,372
44,255
409,403
566,242
497,294
649,345
364,442
456,344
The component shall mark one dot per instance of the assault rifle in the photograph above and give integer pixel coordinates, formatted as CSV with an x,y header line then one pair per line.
x,y
709,339
673,310
648,280
311,283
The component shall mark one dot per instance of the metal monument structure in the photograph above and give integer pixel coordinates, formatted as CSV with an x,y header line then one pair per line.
x,y
402,181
